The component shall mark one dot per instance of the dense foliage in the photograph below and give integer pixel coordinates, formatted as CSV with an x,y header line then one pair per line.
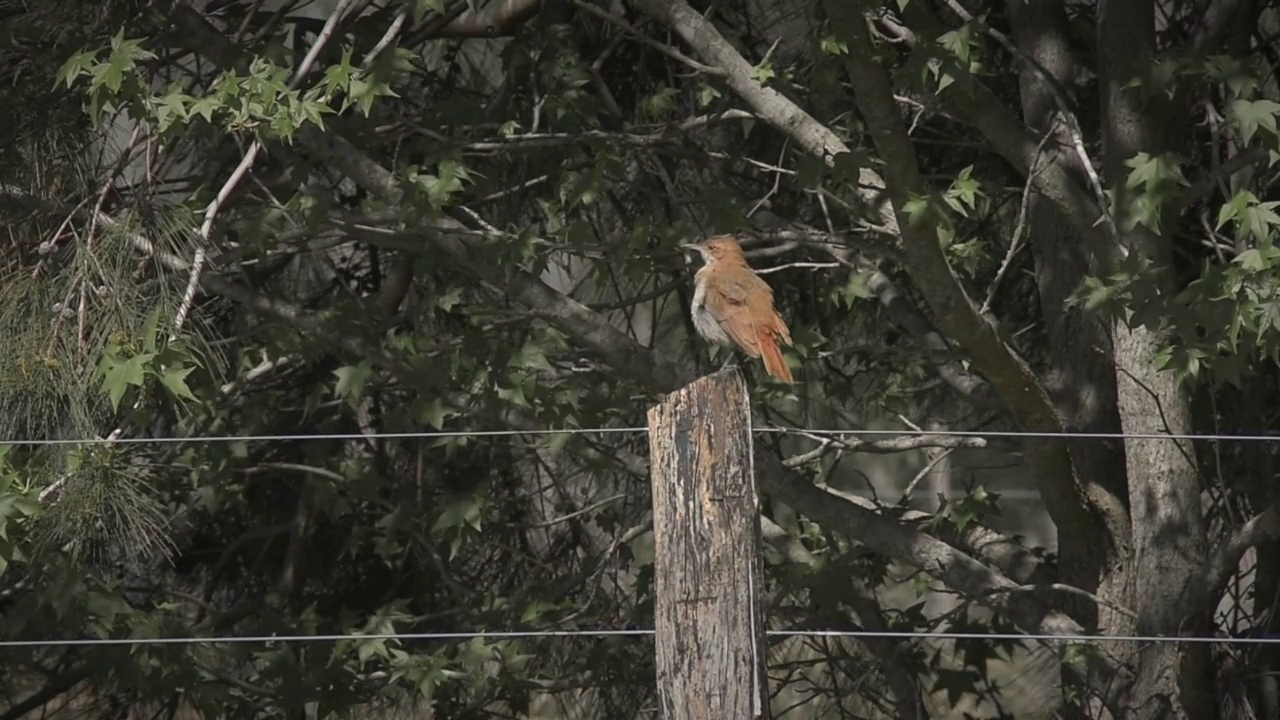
x,y
363,220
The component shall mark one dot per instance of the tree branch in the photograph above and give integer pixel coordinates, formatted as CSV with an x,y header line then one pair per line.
x,y
1019,389
56,686
1223,561
956,569
498,18
1204,184
769,105
1213,24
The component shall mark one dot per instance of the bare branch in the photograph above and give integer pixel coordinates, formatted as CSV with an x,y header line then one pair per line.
x,y
1020,227
904,443
534,141
1073,590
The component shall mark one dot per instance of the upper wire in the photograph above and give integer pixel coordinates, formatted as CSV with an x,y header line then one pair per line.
x,y
525,634
907,432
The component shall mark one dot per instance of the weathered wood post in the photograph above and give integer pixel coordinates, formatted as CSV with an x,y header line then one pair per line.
x,y
706,536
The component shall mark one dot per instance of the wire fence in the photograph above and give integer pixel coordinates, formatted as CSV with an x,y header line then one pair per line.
x,y
532,634
528,634
816,432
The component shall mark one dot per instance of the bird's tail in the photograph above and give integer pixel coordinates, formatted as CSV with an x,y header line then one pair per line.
x,y
774,362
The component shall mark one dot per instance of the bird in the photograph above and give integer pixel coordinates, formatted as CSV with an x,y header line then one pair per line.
x,y
733,306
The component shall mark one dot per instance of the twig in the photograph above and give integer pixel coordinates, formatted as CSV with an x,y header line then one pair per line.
x,y
1070,589
387,38
658,134
788,266
636,300
751,161
826,214
256,372
777,178
513,189
924,472
1015,243
581,511
902,443
804,458
1215,149
189,296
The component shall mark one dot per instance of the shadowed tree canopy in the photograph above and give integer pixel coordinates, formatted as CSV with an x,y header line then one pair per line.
x,y
363,219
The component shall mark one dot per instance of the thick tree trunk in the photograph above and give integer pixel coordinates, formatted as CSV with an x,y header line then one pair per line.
x,y
1164,485
1081,378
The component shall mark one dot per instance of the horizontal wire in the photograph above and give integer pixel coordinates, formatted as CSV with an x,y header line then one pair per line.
x,y
1018,434
324,436
627,430
521,634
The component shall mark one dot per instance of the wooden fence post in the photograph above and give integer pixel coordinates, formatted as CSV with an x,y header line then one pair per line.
x,y
706,536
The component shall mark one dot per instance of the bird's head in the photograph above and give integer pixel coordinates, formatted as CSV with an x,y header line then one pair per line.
x,y
718,249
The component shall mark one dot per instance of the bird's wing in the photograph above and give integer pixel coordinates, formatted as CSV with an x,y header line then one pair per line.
x,y
738,288
731,302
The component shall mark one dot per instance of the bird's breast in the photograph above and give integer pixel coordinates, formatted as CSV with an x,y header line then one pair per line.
x,y
703,321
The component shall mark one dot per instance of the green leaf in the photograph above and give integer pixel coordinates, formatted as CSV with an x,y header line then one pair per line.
x,y
1260,221
964,191
368,648
123,59
661,102
832,45
707,94
1233,207
175,380
857,288
556,442
420,8
351,382
459,516
75,66
337,78
530,356
763,73
1251,260
449,299
435,413
119,374
1154,172
1251,115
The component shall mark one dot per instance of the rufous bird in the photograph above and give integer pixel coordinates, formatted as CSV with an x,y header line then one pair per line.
x,y
733,306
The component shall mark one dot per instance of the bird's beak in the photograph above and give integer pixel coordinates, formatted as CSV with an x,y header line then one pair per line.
x,y
690,253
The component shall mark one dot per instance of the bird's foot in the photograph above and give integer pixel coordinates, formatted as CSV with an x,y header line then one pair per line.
x,y
731,363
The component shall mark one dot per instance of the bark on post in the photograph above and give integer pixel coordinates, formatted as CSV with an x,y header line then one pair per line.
x,y
706,534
